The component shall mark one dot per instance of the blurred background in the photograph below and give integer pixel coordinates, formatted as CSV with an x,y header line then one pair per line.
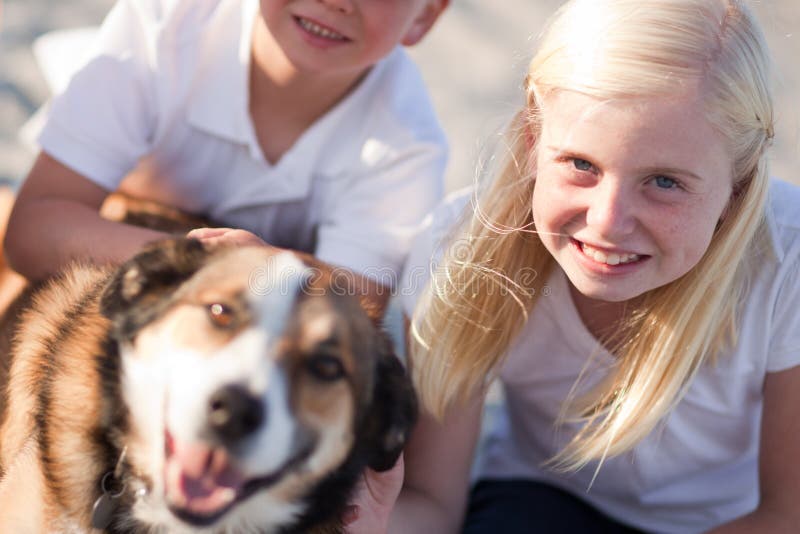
x,y
473,61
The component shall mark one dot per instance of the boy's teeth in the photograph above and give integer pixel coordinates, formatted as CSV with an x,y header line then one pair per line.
x,y
609,259
316,29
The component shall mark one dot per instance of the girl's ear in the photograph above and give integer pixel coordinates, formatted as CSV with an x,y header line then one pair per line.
x,y
725,211
736,192
530,142
424,21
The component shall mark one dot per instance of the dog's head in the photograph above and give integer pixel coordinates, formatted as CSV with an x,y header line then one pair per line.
x,y
251,383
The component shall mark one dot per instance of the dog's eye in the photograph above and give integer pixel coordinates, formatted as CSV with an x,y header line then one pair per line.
x,y
325,367
220,315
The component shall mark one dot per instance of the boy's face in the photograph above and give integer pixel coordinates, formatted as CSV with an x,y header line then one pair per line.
x,y
628,193
341,36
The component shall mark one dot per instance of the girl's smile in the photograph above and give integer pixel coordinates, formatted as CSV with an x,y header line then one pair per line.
x,y
607,261
628,192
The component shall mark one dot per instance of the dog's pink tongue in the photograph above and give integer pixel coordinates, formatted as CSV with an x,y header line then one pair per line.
x,y
200,479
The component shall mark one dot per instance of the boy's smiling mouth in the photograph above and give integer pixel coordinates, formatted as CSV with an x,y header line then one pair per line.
x,y
317,30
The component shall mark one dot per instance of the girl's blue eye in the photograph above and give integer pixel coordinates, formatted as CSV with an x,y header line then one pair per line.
x,y
581,164
665,182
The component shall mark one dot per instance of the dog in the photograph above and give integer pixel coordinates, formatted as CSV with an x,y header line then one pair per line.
x,y
196,390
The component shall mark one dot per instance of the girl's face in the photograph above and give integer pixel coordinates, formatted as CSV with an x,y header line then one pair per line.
x,y
628,192
346,36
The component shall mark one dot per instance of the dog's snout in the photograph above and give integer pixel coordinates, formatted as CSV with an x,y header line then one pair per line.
x,y
234,413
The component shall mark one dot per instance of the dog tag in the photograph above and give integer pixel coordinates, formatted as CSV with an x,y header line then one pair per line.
x,y
103,511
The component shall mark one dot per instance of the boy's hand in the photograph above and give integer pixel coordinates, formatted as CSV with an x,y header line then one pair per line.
x,y
369,510
226,236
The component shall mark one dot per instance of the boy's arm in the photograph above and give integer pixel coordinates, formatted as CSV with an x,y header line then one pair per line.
x,y
98,127
55,220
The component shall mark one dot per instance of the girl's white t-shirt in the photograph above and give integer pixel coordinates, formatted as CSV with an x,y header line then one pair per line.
x,y
699,468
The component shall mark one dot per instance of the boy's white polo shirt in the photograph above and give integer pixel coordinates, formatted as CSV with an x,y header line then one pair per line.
x,y
166,88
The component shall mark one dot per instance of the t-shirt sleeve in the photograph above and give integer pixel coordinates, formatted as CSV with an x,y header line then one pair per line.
x,y
371,227
103,121
428,247
418,269
785,336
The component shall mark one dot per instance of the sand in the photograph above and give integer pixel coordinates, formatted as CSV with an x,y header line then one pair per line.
x,y
473,61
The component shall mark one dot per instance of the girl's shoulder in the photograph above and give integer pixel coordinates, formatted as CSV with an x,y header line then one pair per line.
x,y
784,203
783,220
432,237
450,212
442,222
770,322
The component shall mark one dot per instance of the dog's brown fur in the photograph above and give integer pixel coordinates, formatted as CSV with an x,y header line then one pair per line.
x,y
68,422
15,290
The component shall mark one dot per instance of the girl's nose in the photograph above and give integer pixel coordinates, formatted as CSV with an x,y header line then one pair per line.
x,y
342,6
610,212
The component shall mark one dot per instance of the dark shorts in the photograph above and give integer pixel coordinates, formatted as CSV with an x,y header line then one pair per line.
x,y
525,506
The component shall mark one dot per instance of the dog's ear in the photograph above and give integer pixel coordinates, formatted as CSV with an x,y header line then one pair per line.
x,y
132,297
393,411
371,296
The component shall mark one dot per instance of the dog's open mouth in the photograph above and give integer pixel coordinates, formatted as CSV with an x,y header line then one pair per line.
x,y
202,484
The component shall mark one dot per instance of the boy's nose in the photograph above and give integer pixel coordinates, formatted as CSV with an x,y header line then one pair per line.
x,y
610,211
342,6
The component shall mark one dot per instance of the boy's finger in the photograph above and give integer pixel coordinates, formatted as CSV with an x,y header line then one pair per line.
x,y
204,233
384,487
350,515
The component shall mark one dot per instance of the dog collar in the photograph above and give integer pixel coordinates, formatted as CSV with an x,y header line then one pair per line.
x,y
106,505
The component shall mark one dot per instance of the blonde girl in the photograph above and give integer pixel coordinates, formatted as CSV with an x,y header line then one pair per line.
x,y
632,278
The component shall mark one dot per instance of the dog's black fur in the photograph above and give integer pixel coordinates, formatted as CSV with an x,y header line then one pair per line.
x,y
137,293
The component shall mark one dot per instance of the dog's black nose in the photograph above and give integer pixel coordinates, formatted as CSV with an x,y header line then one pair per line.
x,y
233,413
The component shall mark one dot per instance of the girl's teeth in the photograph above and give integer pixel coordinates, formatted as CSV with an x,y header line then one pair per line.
x,y
609,259
316,29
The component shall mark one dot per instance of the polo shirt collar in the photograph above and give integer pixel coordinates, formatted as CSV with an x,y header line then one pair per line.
x,y
218,103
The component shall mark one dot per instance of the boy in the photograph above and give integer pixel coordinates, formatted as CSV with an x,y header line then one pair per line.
x,y
297,120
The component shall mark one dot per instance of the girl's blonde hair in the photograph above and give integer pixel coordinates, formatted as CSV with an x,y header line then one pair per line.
x,y
481,293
